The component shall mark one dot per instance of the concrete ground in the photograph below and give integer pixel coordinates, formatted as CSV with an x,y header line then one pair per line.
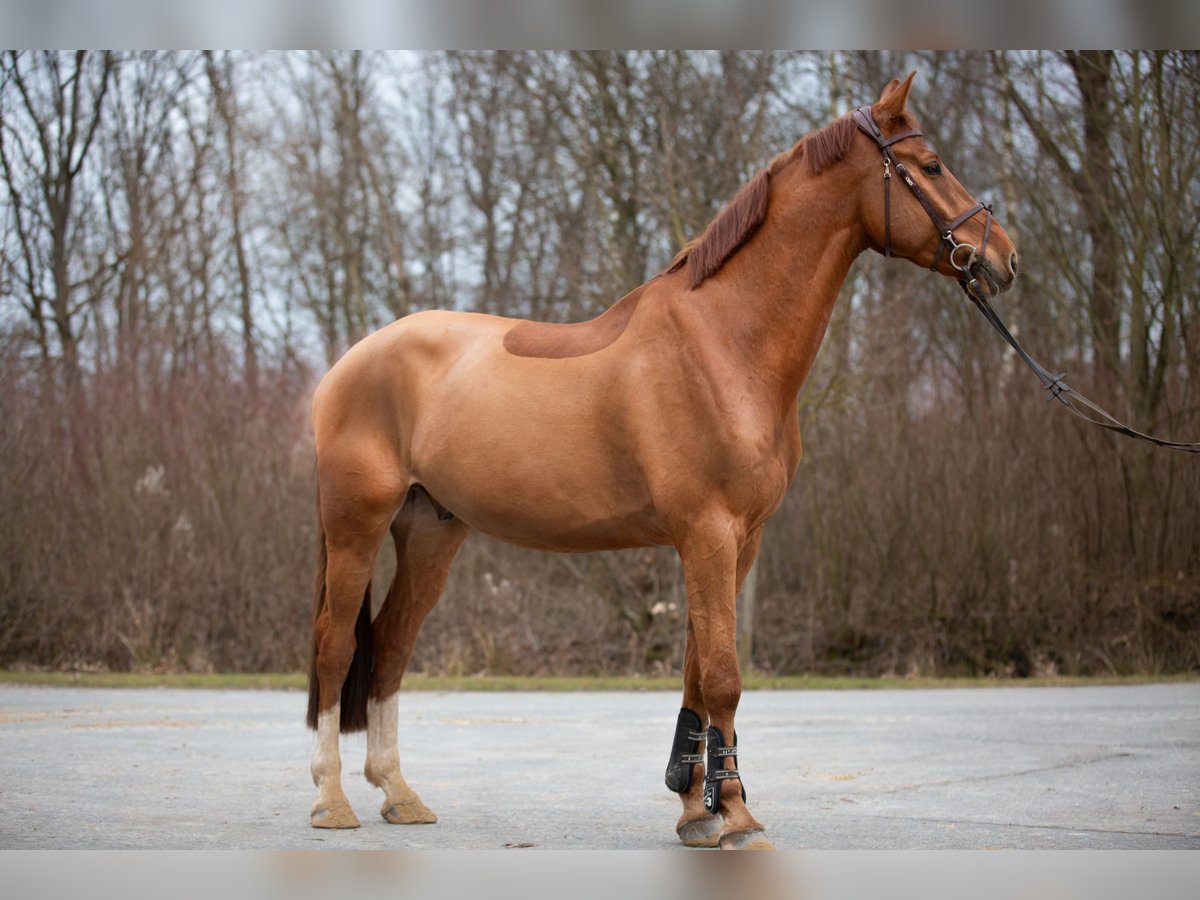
x,y
1108,767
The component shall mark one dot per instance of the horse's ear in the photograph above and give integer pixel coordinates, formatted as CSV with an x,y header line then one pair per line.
x,y
894,99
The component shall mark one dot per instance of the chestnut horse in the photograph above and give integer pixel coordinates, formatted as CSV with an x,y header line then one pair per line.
x,y
668,420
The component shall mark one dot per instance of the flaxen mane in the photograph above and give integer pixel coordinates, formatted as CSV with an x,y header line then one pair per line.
x,y
741,217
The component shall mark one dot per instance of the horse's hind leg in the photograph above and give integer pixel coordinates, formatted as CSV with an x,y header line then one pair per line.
x,y
426,542
355,513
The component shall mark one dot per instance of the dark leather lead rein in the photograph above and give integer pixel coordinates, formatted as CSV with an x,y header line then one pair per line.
x,y
1059,389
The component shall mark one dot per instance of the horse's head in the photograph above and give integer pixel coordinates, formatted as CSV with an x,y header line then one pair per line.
x,y
912,206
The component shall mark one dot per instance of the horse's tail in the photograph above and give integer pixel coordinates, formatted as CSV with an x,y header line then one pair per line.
x,y
357,686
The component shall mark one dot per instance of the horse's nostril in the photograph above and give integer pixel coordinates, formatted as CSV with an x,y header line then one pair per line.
x,y
1012,264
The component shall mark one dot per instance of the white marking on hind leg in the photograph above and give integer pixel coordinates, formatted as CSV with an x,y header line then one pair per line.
x,y
401,805
332,809
383,752
326,761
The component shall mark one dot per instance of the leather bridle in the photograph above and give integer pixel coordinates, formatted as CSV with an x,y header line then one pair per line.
x,y
964,257
967,264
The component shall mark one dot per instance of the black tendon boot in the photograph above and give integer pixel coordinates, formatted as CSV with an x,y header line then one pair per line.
x,y
685,751
714,774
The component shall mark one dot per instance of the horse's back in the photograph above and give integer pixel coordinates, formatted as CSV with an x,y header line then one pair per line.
x,y
496,437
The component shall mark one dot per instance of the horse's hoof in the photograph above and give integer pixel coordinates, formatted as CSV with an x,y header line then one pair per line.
x,y
336,814
408,812
754,839
704,832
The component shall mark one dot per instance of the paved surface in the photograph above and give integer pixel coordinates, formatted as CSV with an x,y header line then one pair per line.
x,y
1109,767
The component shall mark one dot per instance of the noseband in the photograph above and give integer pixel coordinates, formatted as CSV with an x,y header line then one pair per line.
x,y
964,257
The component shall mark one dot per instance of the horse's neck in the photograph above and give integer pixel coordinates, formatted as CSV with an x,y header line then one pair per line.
x,y
787,280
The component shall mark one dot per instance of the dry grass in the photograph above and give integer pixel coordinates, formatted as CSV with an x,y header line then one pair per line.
x,y
295,681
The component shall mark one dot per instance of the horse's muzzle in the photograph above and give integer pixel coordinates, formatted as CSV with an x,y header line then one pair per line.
x,y
990,279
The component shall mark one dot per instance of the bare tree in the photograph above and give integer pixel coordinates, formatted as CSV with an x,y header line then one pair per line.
x,y
337,216
187,238
221,73
53,106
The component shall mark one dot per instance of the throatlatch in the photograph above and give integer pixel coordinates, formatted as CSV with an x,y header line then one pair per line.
x,y
714,774
685,751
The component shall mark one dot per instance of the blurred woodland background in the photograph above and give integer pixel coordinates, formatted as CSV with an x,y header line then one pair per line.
x,y
187,241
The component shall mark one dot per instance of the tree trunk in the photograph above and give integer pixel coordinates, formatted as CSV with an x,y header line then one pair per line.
x,y
221,81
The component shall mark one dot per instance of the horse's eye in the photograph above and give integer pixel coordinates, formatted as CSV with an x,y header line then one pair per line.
x,y
933,170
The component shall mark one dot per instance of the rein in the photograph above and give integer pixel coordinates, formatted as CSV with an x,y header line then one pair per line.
x,y
1059,389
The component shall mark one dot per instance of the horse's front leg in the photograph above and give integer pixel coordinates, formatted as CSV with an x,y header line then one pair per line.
x,y
697,827
715,560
